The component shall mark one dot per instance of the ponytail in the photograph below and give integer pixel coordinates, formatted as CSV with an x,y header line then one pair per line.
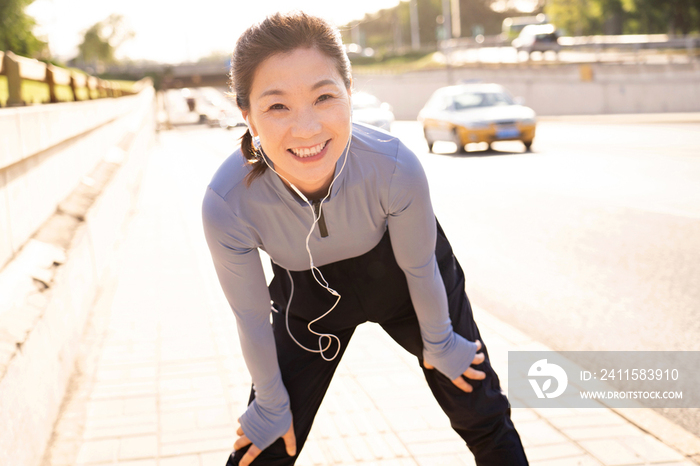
x,y
253,157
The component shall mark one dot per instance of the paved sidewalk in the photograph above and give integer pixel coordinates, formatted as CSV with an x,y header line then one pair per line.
x,y
169,380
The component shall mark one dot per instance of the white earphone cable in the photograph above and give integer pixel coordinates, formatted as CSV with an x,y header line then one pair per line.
x,y
320,279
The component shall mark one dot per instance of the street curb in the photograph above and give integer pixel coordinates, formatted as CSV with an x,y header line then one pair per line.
x,y
666,431
625,118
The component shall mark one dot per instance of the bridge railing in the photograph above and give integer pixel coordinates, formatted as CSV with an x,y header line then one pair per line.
x,y
18,69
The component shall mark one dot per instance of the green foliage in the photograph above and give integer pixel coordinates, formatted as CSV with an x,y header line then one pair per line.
x,y
589,17
102,39
16,29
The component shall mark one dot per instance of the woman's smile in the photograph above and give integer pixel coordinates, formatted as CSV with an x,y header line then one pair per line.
x,y
310,154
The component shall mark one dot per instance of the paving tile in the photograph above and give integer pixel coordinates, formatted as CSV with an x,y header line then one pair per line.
x,y
123,420
443,446
144,462
359,449
601,432
552,452
611,452
140,405
178,421
440,460
187,460
198,446
583,460
215,458
145,446
523,414
595,419
379,447
216,416
539,433
199,434
105,408
311,454
651,449
396,446
429,435
336,451
98,451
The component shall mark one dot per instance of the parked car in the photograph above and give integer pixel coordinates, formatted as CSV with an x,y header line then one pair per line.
x,y
469,113
217,110
537,38
368,109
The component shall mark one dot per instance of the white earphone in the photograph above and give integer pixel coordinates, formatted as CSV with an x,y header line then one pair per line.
x,y
318,276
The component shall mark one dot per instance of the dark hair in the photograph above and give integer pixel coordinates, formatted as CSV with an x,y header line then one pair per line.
x,y
279,33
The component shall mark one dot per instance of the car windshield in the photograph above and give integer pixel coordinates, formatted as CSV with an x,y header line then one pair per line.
x,y
480,99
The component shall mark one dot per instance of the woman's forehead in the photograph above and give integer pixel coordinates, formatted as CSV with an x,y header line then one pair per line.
x,y
295,71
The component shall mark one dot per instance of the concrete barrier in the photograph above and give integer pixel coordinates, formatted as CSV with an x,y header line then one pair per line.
x,y
55,277
589,89
44,153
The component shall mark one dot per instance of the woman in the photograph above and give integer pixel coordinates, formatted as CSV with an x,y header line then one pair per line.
x,y
344,212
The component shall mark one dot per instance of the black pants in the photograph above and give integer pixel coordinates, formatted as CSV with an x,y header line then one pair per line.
x,y
374,289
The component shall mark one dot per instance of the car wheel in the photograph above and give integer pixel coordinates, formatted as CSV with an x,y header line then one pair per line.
x,y
458,142
528,145
428,140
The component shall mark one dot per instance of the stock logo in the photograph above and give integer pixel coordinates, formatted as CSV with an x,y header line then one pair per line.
x,y
552,371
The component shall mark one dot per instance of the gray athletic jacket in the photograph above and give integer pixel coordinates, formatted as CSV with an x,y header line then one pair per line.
x,y
382,185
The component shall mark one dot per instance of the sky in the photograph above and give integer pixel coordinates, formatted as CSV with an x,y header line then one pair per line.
x,y
175,32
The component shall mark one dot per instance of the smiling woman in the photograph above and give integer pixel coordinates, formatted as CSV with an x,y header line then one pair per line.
x,y
344,212
302,117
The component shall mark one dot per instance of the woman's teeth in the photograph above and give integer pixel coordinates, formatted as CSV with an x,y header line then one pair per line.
x,y
309,151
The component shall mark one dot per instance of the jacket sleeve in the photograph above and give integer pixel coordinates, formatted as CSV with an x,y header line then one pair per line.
x,y
237,263
413,231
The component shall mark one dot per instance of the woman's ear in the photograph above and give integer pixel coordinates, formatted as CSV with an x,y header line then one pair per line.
x,y
246,117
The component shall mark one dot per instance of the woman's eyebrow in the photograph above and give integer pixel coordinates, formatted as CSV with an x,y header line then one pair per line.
x,y
321,83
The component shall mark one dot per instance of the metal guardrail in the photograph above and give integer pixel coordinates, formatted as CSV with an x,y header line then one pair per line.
x,y
18,69
627,40
598,44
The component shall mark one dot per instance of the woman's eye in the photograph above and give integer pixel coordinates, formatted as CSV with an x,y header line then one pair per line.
x,y
325,97
276,107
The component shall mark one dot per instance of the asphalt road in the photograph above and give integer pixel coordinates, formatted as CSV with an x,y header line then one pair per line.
x,y
589,242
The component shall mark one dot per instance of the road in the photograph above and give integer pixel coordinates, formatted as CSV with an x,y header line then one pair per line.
x,y
589,242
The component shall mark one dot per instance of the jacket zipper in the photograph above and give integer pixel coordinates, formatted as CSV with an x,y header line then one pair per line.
x,y
321,220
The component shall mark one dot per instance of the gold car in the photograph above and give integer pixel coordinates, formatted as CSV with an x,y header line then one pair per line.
x,y
469,113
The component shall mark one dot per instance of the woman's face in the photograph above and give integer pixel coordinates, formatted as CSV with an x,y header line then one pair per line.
x,y
300,109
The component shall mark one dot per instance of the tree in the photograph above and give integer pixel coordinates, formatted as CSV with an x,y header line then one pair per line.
x,y
101,40
589,17
16,29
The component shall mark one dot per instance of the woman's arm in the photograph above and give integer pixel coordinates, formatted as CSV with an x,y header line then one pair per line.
x,y
412,227
240,273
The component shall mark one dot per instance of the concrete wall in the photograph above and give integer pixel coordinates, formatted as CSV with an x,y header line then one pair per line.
x,y
553,90
40,334
45,151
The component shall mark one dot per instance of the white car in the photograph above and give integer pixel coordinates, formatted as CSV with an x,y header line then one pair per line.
x,y
537,38
469,113
367,109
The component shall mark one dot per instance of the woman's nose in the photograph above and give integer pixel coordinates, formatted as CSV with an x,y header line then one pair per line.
x,y
307,124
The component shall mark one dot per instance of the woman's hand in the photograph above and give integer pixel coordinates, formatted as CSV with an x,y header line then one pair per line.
x,y
469,373
290,442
